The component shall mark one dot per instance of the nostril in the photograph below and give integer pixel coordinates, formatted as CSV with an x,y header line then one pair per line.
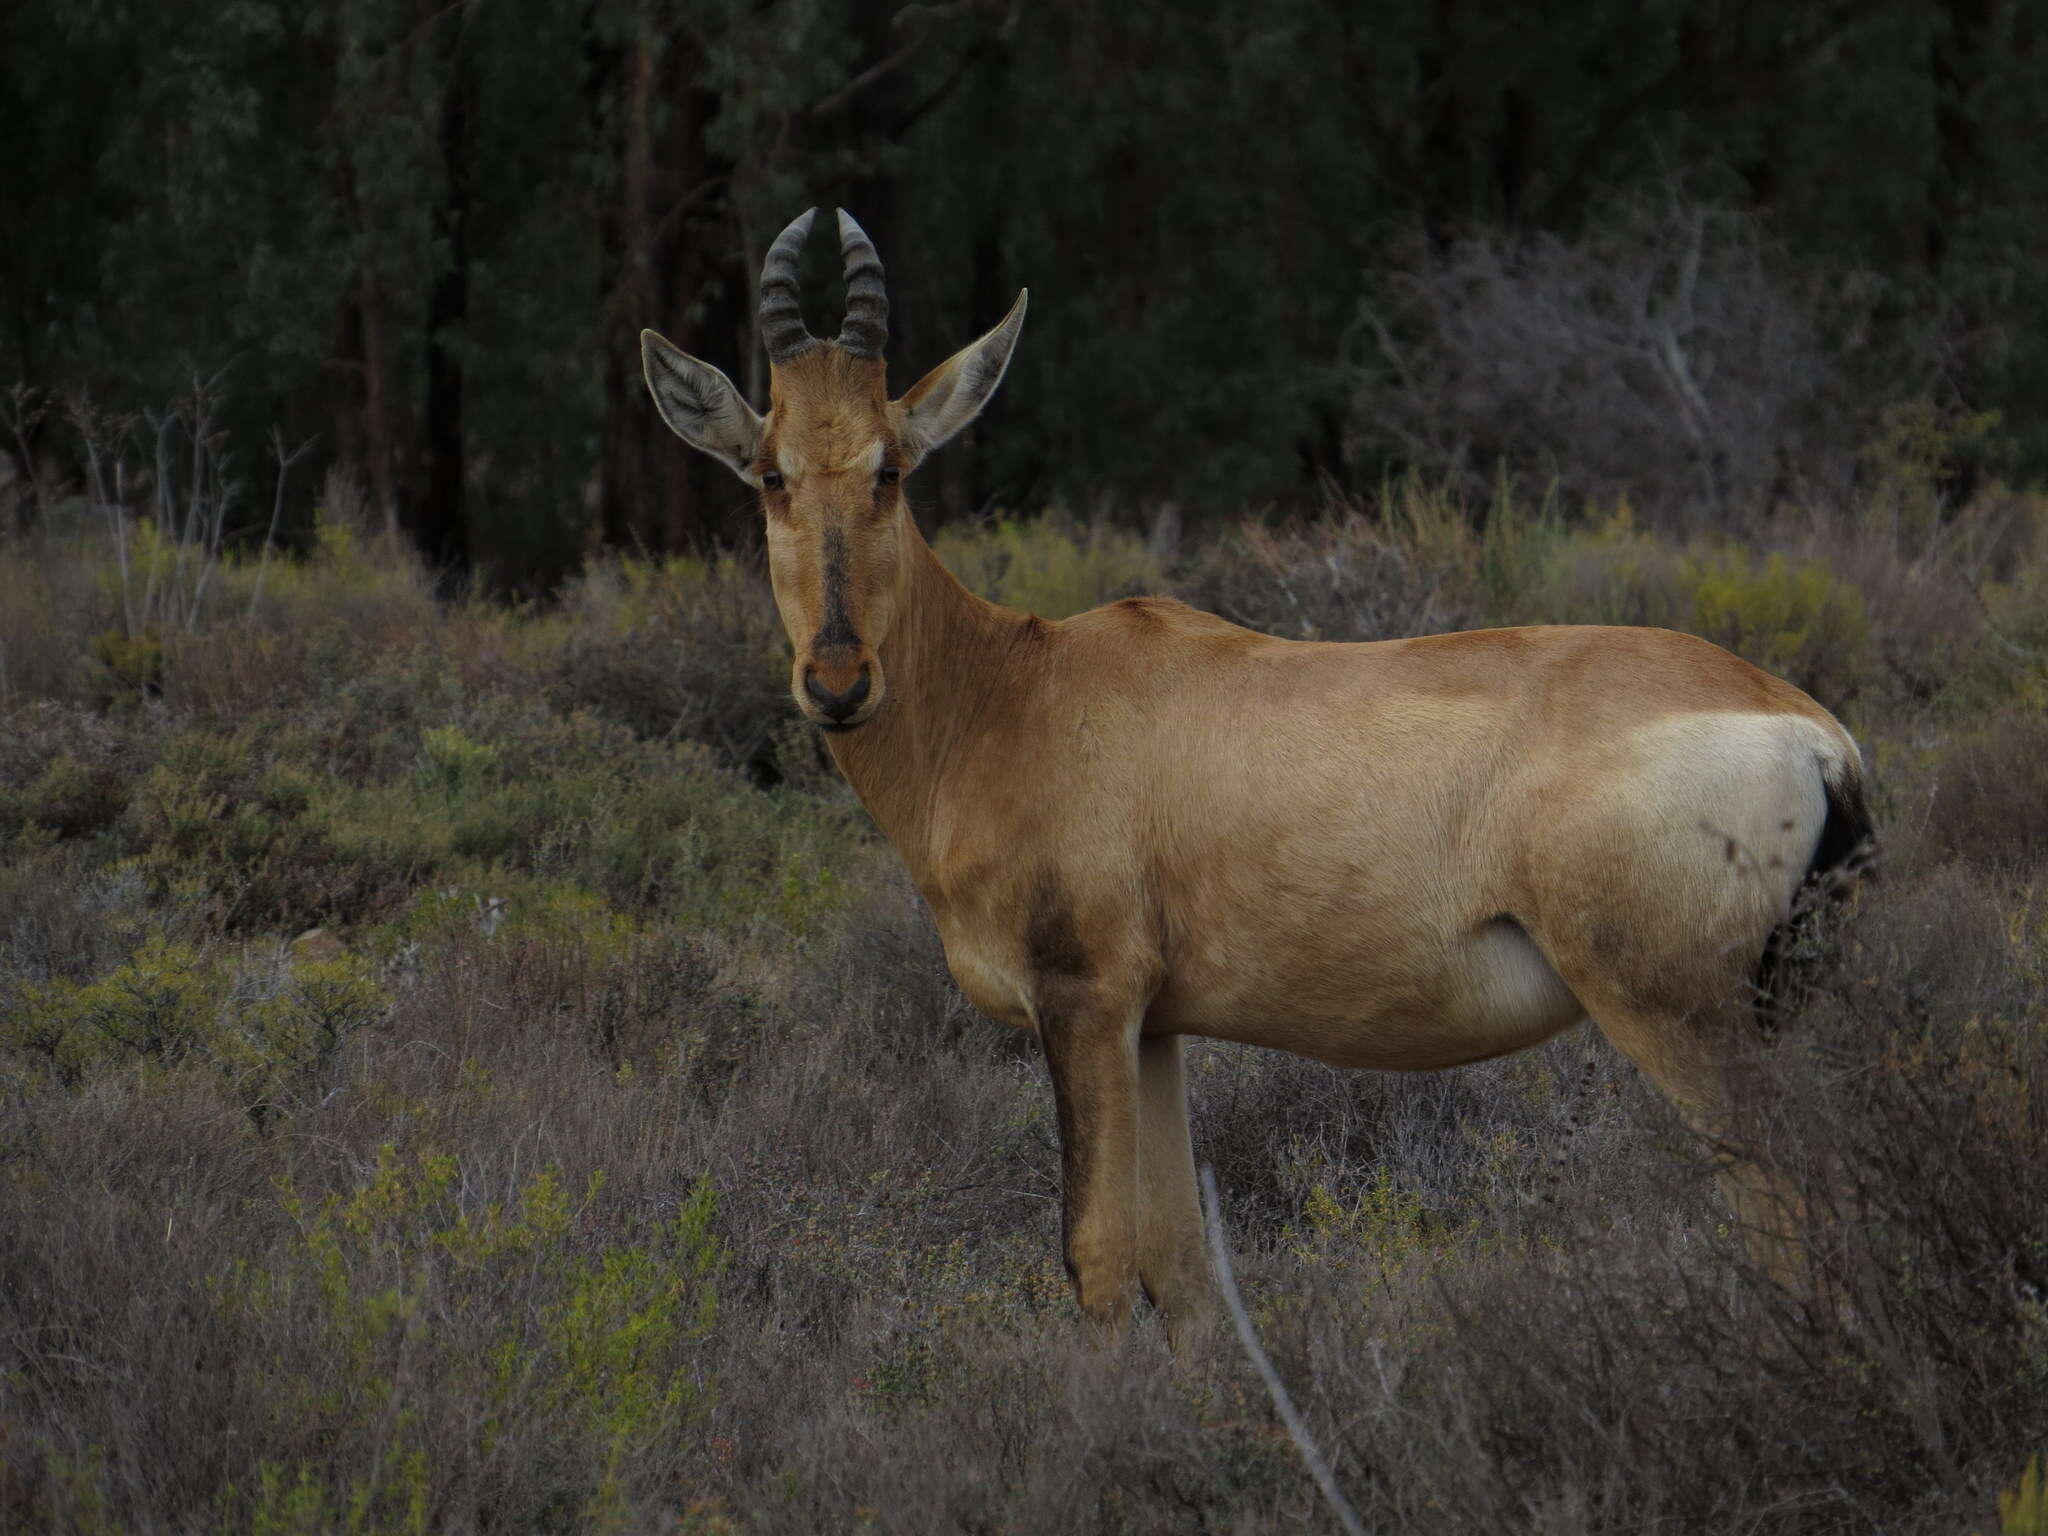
x,y
837,705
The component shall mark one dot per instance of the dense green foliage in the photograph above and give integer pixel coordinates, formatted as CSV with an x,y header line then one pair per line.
x,y
1270,245
466,1069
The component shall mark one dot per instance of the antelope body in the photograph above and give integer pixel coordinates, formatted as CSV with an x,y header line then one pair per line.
x,y
1145,822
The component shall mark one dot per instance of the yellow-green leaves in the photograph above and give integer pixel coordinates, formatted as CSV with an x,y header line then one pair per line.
x,y
558,1312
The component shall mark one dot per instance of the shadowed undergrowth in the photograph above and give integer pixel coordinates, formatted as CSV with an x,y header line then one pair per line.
x,y
467,1070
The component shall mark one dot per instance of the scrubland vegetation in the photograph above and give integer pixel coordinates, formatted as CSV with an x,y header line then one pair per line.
x,y
465,1068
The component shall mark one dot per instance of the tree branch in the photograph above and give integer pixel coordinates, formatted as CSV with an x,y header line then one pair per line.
x,y
1318,1468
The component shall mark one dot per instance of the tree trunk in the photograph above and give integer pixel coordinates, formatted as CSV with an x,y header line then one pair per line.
x,y
665,266
1956,63
443,530
377,445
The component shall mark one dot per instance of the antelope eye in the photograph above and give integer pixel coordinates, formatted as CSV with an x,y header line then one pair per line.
x,y
771,479
889,475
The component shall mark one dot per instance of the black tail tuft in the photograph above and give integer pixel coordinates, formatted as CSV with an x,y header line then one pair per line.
x,y
1847,845
1847,838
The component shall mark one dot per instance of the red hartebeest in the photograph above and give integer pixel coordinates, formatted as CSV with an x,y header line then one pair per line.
x,y
1145,822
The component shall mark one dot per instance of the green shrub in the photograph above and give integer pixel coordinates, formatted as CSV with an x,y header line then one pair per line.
x,y
71,799
410,1325
1793,618
1917,455
393,1502
162,1006
450,762
1382,1225
1046,565
49,611
134,662
269,1030
2013,596
686,650
2023,1509
509,796
278,1046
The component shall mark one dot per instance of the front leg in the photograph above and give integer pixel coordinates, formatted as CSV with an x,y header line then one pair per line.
x,y
1091,1050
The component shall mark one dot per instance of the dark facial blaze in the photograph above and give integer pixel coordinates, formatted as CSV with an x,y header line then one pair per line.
x,y
830,472
836,681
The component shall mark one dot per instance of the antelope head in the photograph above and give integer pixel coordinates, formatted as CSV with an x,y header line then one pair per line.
x,y
829,460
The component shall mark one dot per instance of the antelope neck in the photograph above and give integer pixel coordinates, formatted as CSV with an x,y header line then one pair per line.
x,y
948,661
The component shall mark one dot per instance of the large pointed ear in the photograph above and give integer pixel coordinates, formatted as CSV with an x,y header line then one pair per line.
x,y
701,406
952,394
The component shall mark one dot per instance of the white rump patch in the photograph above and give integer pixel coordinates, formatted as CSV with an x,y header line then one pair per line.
x,y
1742,792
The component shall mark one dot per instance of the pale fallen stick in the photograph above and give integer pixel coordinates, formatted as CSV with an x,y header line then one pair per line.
x,y
1318,1468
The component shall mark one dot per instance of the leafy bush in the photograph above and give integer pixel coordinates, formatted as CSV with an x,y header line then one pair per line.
x,y
1048,566
406,1301
1797,620
516,796
686,649
2023,1511
52,610
269,1028
1988,802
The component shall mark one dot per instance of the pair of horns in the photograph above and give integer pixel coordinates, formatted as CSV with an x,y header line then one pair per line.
x,y
866,328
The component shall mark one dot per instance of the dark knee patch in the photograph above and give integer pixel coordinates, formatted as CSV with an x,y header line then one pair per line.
x,y
1077,1125
1052,939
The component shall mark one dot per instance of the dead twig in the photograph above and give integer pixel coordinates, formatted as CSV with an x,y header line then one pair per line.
x,y
1318,1468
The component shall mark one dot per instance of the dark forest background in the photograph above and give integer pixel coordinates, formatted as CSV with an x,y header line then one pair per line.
x,y
1704,254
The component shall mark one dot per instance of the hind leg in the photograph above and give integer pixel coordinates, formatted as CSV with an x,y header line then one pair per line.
x,y
1653,895
1706,1059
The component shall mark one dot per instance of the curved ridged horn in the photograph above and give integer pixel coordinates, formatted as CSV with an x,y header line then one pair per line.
x,y
783,331
865,331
